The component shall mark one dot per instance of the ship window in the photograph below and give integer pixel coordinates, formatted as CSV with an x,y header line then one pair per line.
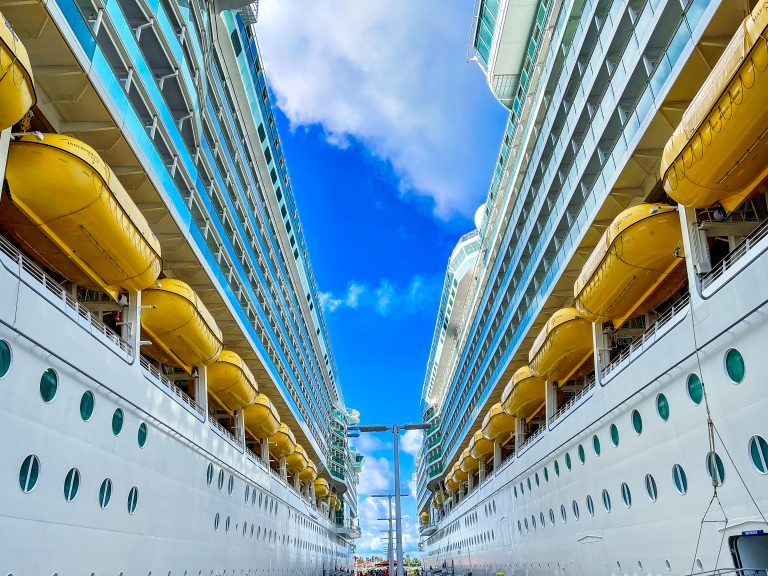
x,y
142,434
522,489
650,487
529,483
514,489
758,449
543,522
662,407
546,475
29,472
552,516
614,435
715,468
525,521
253,497
596,444
221,480
533,521
49,383
105,493
680,479
247,492
231,484
590,506
86,405
582,454
537,478
734,365
575,507
695,390
5,358
557,468
626,495
209,474
563,515
133,500
519,527
216,521
637,422
568,461
117,421
606,500
71,484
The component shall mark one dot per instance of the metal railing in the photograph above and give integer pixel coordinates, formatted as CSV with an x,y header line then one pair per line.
x,y
532,437
221,429
744,247
590,384
50,289
735,571
649,336
161,378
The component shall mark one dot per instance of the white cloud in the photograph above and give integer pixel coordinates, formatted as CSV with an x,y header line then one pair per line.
x,y
393,76
410,442
368,443
419,294
375,476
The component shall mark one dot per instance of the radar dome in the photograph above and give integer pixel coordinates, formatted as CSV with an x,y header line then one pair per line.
x,y
479,215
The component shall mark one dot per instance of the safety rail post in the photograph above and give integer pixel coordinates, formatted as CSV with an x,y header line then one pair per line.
x,y
201,389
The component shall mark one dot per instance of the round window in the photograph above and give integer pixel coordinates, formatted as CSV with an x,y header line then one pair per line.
x,y
563,515
607,500
590,506
568,461
637,422
536,477
680,479
758,450
695,389
105,493
133,500
529,483
715,468
221,480
582,455
49,383
209,474
662,407
557,468
575,507
216,521
734,365
650,487
231,484
5,358
86,405
71,484
546,474
596,444
626,495
614,435
551,516
142,434
29,472
117,422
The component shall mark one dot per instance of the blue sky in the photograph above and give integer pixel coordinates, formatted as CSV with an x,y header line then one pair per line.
x,y
390,136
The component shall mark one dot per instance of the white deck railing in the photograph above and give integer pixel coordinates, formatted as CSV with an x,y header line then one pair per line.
x,y
748,244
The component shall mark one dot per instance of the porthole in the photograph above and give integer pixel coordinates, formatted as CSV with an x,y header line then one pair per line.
x,y
209,474
537,478
533,521
216,522
133,500
546,475
28,473
221,480
626,495
142,434
575,508
662,407
514,489
606,500
105,493
614,435
596,445
734,365
117,422
5,358
86,405
519,527
529,483
49,383
679,478
522,489
582,454
248,493
650,487
637,422
557,468
590,505
525,523
551,516
253,497
541,517
758,450
71,484
715,468
568,461
695,389
563,514
231,484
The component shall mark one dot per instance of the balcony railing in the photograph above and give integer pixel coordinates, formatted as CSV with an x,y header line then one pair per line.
x,y
182,396
590,384
748,244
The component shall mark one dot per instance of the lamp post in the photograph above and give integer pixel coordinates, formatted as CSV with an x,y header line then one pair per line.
x,y
396,448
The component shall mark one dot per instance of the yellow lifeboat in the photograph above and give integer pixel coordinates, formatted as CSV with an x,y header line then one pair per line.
x,y
309,473
424,517
261,417
467,462
297,460
480,447
459,474
635,266
719,152
182,331
17,89
497,423
334,501
563,347
321,487
451,483
435,505
525,394
439,497
67,208
282,442
231,382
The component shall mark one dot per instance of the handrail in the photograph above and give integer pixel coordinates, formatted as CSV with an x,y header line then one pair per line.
x,y
589,385
220,429
84,316
165,381
744,247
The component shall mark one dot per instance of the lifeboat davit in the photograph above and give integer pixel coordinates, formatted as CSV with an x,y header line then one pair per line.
x,y
282,442
181,330
424,517
17,87
66,208
497,423
261,417
719,152
563,347
297,460
321,487
467,462
636,265
525,394
309,473
480,447
231,382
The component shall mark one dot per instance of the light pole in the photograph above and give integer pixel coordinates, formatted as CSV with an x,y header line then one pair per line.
x,y
390,557
396,448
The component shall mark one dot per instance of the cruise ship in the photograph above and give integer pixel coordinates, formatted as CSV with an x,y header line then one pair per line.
x,y
596,383
169,396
